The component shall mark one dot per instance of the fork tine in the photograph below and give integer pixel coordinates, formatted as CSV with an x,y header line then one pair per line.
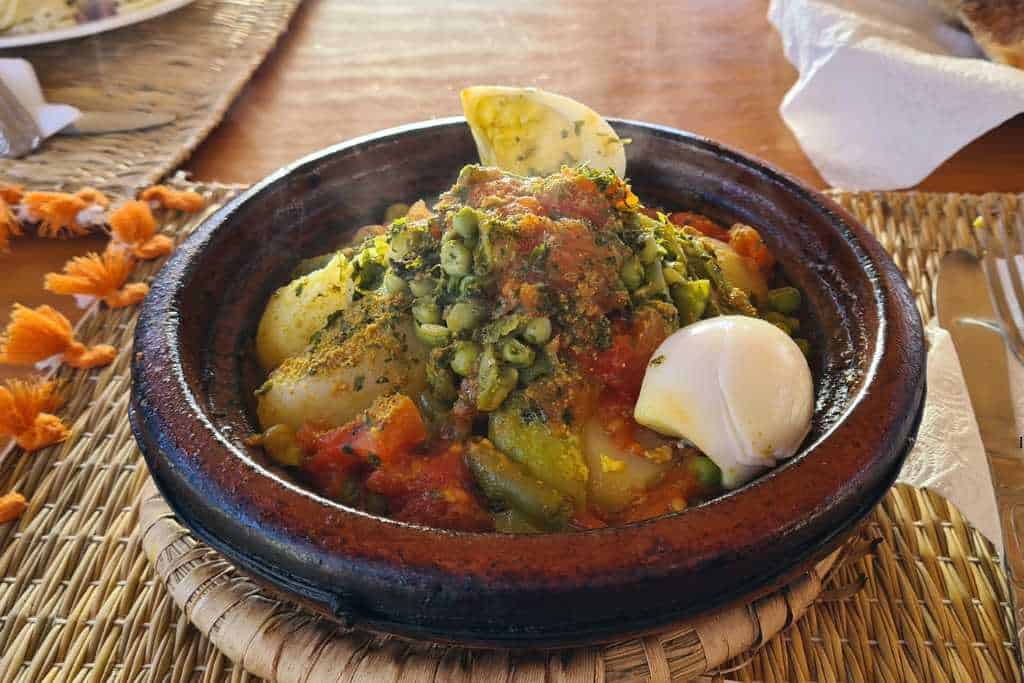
x,y
1016,281
1000,297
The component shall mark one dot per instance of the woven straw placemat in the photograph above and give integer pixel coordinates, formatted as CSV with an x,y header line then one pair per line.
x,y
79,600
190,63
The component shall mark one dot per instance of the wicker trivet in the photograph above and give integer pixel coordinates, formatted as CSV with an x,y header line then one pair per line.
x,y
191,63
80,601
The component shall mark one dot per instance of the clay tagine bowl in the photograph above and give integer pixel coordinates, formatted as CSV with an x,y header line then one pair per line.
x,y
192,408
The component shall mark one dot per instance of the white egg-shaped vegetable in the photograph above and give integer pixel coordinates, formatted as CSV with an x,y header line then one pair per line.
x,y
300,308
736,387
532,132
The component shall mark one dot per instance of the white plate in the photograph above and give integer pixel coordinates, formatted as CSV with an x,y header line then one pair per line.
x,y
92,27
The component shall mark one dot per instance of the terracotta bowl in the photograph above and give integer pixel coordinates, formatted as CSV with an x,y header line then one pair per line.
x,y
192,407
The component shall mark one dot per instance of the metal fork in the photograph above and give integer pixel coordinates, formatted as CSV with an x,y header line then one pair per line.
x,y
1002,258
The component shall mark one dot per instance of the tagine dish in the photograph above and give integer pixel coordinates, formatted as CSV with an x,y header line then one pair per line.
x,y
537,349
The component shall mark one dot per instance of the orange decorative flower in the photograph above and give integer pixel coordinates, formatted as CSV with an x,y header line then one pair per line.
x,y
11,193
57,213
9,225
169,198
96,276
12,506
38,334
26,413
91,195
133,225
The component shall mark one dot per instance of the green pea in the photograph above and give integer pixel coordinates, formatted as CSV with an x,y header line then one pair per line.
x,y
463,316
538,331
394,212
465,223
423,286
464,357
495,381
691,299
400,245
426,311
432,334
706,471
632,273
672,276
805,346
649,250
393,283
784,299
517,353
470,286
456,259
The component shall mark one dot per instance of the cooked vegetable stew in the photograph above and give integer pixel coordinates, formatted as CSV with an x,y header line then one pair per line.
x,y
474,366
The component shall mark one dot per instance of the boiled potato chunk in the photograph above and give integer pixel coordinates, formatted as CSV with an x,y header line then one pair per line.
x,y
336,379
618,476
739,271
296,311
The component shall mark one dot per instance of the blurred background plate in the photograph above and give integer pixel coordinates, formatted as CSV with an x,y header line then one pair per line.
x,y
92,27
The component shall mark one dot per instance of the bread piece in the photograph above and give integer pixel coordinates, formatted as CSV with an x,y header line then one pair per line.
x,y
997,25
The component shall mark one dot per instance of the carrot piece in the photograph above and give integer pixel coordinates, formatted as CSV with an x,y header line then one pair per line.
x,y
746,241
26,413
12,506
101,277
701,223
133,225
11,193
91,195
169,198
35,335
9,225
57,213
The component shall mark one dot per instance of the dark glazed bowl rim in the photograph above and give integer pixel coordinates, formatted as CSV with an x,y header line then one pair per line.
x,y
868,420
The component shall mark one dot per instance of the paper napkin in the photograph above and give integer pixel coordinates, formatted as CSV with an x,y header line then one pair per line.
x,y
20,78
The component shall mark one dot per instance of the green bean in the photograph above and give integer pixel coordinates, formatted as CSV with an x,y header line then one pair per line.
x,y
369,276
504,482
649,250
793,323
432,334
538,331
513,521
691,299
805,346
395,211
470,286
456,259
463,316
465,223
517,353
423,286
400,245
784,299
655,286
426,310
465,357
280,444
393,283
706,471
495,381
632,273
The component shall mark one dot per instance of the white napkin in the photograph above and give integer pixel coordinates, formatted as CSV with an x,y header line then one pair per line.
x,y
887,90
949,457
19,76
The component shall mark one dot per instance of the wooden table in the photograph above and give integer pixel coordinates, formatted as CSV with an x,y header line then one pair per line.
x,y
714,67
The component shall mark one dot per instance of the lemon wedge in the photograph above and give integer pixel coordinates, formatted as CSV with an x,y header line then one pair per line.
x,y
527,131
